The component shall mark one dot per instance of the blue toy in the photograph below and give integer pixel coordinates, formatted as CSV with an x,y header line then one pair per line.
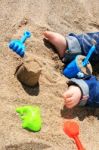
x,y
18,45
85,62
79,66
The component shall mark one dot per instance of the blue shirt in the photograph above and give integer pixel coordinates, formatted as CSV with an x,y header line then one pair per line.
x,y
86,41
82,43
93,85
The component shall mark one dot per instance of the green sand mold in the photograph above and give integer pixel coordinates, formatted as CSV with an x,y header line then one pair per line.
x,y
31,117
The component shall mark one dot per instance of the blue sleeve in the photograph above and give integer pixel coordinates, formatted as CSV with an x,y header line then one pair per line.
x,y
86,42
90,90
93,85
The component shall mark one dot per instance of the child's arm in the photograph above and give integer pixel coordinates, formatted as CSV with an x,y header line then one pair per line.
x,y
84,89
72,96
90,90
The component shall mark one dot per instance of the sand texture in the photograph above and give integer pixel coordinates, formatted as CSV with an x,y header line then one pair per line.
x,y
37,16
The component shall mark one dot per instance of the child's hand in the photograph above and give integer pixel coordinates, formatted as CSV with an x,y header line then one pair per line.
x,y
72,96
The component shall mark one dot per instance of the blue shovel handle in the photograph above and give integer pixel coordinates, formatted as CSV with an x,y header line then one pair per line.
x,y
85,62
26,35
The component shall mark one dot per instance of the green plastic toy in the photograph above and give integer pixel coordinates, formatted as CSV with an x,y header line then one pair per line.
x,y
31,117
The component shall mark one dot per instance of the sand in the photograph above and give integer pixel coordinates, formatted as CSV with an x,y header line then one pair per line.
x,y
62,16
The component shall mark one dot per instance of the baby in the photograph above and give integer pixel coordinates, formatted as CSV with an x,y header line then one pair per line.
x,y
80,91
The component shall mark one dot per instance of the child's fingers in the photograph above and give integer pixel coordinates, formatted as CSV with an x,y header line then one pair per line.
x,y
67,94
68,100
69,105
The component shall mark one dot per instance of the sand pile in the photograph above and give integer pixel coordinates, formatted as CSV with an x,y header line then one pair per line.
x,y
61,16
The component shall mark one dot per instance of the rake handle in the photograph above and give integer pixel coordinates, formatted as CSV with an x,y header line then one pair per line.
x,y
26,35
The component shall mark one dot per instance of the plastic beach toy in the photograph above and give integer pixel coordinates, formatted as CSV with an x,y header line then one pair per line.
x,y
31,117
79,64
18,45
72,130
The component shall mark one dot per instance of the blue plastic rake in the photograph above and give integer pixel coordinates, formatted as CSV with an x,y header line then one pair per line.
x,y
18,45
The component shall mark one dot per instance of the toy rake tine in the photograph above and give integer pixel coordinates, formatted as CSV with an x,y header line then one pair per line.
x,y
18,45
11,45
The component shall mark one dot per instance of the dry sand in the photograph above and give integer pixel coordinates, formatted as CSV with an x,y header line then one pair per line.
x,y
61,16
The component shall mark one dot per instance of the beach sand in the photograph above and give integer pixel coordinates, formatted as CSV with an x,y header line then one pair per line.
x,y
37,16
